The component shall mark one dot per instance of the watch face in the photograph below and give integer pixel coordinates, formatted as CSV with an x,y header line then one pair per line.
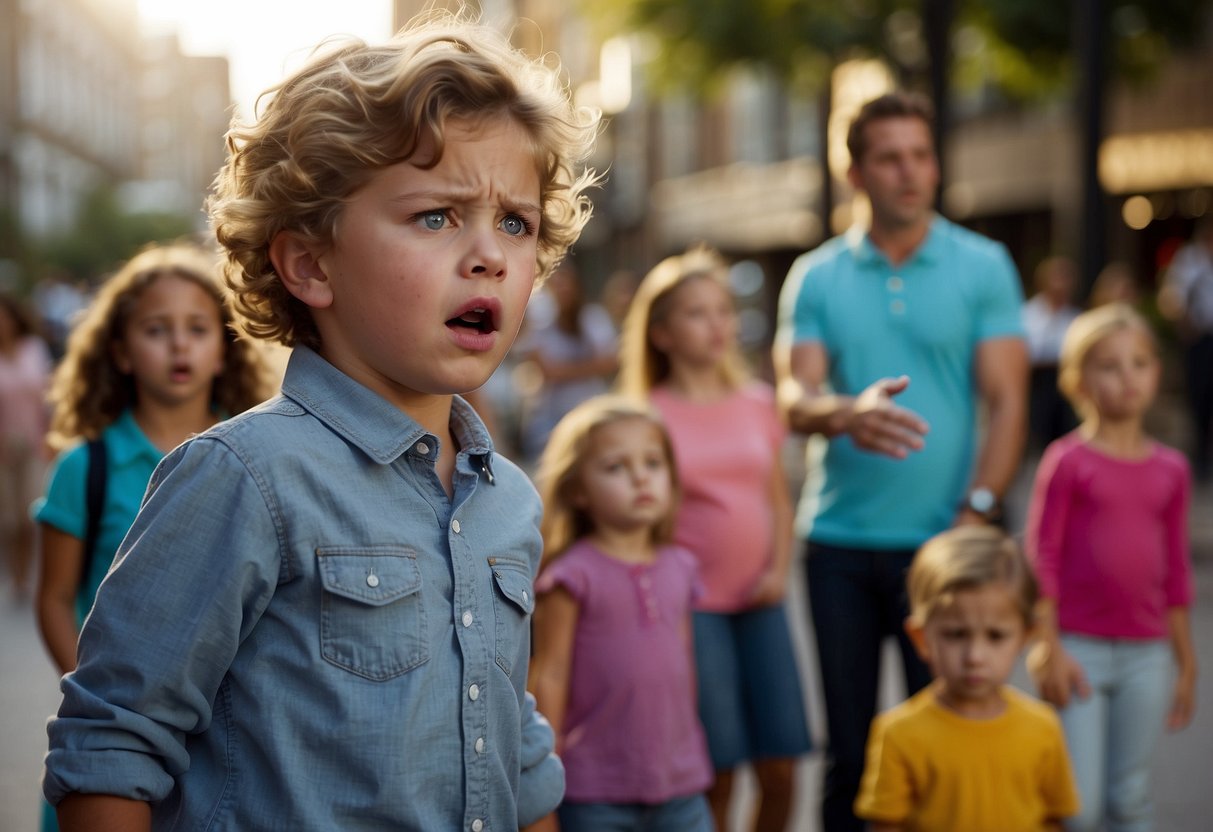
x,y
981,500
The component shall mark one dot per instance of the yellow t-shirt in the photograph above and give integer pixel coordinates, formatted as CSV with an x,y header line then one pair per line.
x,y
933,770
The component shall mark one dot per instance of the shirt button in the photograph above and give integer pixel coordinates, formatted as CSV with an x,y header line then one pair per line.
x,y
525,597
894,283
480,745
455,526
423,449
897,307
372,581
474,692
477,825
467,618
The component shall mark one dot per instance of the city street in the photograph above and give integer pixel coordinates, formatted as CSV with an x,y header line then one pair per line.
x,y
1184,788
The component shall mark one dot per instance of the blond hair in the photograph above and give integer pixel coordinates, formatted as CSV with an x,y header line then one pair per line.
x,y
89,392
1084,332
964,558
561,463
641,365
356,109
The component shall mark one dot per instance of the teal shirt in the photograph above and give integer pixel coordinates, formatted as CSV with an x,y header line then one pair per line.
x,y
923,319
130,459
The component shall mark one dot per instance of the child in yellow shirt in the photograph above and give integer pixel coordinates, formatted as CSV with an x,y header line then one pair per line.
x,y
968,753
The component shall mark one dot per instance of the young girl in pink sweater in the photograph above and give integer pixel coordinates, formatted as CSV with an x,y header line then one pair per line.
x,y
1108,534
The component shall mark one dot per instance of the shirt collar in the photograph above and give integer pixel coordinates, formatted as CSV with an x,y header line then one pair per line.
x,y
126,441
930,251
381,430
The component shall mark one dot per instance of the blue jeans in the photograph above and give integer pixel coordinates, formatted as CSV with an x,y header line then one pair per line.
x,y
858,597
1112,733
750,700
682,814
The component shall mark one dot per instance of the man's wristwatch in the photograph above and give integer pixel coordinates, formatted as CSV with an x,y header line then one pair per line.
x,y
984,503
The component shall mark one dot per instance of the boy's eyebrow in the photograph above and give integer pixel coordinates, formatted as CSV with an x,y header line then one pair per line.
x,y
457,195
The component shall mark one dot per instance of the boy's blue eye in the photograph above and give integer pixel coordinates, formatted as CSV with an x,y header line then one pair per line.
x,y
433,220
515,226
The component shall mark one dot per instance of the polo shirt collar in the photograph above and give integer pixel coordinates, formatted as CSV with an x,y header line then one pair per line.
x,y
125,440
930,251
364,418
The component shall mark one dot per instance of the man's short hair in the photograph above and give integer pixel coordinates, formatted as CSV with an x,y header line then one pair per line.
x,y
889,105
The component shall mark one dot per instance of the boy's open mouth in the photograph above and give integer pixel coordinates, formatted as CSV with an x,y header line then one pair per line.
x,y
478,319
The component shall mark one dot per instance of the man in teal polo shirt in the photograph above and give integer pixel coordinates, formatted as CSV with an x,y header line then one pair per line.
x,y
888,341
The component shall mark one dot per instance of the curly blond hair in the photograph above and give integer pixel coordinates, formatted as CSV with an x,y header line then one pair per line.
x,y
641,365
89,392
356,109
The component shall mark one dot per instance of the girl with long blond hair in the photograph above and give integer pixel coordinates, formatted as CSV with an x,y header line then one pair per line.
x,y
681,352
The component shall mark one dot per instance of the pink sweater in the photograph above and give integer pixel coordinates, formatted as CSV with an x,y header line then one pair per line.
x,y
1109,538
727,451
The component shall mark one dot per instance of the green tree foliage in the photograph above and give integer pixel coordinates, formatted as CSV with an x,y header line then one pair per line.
x,y
1022,48
104,235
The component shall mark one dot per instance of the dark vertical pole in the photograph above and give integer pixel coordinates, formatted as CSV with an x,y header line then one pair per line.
x,y
1089,49
937,18
825,103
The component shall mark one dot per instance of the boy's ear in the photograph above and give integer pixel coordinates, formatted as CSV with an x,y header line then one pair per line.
x,y
297,262
918,638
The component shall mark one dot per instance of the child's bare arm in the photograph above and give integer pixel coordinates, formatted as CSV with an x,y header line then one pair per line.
x,y
103,813
555,624
1183,701
773,585
1056,674
58,582
885,827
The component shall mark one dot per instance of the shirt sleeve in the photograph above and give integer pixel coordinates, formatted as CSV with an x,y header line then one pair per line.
x,y
1001,309
541,783
564,572
146,681
1048,514
63,506
885,791
1178,585
800,309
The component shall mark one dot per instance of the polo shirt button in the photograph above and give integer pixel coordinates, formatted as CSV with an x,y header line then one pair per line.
x,y
474,692
455,526
480,745
423,449
477,825
897,307
372,581
895,283
467,618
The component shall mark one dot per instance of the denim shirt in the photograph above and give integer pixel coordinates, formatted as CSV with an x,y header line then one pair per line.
x,y
302,631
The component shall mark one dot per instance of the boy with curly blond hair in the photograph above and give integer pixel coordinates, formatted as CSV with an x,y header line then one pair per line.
x,y
320,619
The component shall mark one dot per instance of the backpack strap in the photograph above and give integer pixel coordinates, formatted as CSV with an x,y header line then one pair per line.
x,y
94,503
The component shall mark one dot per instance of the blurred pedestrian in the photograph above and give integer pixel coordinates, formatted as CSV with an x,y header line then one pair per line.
x,y
1046,315
154,360
970,752
613,655
1115,283
1186,298
1108,535
681,352
617,293
884,335
574,346
320,618
25,368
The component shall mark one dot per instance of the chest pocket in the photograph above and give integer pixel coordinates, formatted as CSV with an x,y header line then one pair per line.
x,y
372,622
513,603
